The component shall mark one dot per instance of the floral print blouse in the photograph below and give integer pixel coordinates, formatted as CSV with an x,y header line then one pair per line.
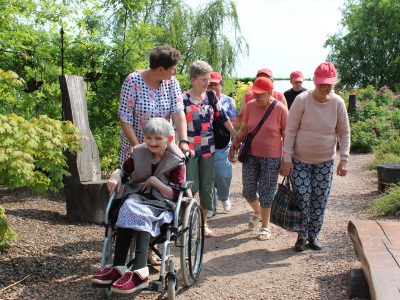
x,y
139,103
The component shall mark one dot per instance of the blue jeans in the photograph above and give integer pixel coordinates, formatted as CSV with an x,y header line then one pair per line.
x,y
222,176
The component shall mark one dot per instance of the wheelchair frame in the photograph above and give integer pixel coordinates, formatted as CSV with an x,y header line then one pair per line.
x,y
186,232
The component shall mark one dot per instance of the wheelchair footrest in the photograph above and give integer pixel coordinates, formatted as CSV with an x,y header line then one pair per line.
x,y
155,286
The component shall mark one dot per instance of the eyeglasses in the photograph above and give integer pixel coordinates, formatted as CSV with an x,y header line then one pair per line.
x,y
204,80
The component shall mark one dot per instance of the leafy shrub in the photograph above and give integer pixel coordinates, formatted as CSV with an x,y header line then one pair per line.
x,y
376,120
388,204
386,152
31,155
31,152
7,235
241,89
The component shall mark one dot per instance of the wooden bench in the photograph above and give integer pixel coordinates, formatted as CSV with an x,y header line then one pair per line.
x,y
377,245
86,194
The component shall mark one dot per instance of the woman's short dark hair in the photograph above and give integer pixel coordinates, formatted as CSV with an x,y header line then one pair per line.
x,y
164,56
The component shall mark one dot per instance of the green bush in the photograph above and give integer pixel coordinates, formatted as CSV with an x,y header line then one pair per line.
x,y
388,204
7,235
241,89
31,152
388,152
376,120
31,155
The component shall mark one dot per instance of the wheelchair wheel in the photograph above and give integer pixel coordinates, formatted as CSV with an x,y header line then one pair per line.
x,y
192,243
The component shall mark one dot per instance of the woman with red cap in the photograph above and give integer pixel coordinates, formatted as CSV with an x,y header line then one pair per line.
x,y
222,166
296,80
264,72
317,120
261,169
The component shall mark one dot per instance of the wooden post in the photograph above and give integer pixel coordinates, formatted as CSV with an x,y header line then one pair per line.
x,y
351,109
85,192
388,173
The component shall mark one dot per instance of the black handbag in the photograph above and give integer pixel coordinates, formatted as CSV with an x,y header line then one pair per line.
x,y
285,210
244,148
222,136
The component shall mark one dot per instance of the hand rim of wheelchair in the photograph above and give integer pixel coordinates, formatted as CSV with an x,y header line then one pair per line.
x,y
191,269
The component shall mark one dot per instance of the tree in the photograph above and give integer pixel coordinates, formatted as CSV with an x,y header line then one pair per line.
x,y
111,37
366,50
202,35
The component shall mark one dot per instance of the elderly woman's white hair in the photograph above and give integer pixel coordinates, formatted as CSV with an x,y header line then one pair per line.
x,y
198,68
158,126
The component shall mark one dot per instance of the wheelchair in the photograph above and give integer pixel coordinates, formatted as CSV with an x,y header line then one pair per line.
x,y
186,232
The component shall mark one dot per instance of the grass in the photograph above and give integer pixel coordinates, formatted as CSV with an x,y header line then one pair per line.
x,y
388,151
387,204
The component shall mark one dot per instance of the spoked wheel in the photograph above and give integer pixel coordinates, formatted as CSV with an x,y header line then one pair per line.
x,y
192,243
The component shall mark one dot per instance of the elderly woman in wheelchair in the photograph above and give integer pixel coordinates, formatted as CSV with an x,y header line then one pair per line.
x,y
152,198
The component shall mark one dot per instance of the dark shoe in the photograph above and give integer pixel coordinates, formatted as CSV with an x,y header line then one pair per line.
x,y
314,244
300,245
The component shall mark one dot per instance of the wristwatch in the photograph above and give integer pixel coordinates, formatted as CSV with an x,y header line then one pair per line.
x,y
183,141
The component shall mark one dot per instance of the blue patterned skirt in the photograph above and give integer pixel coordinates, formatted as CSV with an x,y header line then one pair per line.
x,y
138,215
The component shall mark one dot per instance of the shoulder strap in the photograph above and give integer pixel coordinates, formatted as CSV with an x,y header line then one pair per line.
x,y
267,113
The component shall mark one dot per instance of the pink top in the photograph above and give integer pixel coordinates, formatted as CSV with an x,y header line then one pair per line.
x,y
313,129
268,140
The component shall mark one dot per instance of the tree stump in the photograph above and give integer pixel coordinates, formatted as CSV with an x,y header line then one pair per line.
x,y
351,109
85,192
388,174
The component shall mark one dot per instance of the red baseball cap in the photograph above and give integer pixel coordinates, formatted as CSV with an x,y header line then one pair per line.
x,y
215,77
325,73
265,71
262,85
296,76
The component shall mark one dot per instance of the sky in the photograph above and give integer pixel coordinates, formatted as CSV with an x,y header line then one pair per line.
x,y
284,35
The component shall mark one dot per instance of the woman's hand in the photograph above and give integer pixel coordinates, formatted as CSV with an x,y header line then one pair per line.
x,y
149,184
114,182
235,142
342,168
286,168
231,154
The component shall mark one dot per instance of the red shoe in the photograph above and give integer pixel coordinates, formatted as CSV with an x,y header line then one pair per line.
x,y
108,275
131,281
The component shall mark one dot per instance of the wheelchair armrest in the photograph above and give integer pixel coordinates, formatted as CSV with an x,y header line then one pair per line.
x,y
182,187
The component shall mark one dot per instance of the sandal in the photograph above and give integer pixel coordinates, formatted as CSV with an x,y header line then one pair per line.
x,y
208,232
253,221
265,234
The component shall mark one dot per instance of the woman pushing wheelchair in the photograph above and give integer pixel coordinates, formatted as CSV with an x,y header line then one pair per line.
x,y
149,204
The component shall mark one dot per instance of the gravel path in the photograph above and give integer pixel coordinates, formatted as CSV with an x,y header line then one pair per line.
x,y
59,257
